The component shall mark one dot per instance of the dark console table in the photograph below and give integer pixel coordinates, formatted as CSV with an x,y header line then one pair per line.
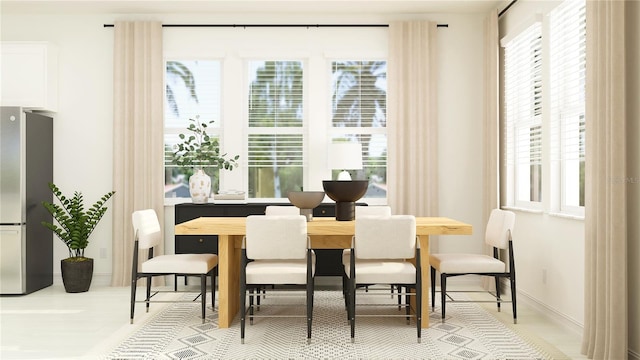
x,y
328,261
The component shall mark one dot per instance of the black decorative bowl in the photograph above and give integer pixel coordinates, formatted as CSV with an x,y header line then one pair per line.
x,y
345,193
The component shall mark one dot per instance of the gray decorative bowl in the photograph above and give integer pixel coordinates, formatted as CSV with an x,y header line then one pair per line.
x,y
306,201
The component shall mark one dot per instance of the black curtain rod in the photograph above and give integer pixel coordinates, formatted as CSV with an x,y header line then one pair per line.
x,y
278,25
507,8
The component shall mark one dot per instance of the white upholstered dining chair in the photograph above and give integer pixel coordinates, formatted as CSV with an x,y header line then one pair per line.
x,y
498,236
379,252
272,210
360,212
148,235
276,251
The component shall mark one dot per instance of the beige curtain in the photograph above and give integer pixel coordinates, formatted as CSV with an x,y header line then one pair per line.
x,y
490,119
605,331
412,118
138,144
490,128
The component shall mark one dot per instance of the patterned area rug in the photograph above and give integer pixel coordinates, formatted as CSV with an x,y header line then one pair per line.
x,y
470,332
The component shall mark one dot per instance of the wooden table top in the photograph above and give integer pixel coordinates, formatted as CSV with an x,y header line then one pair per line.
x,y
318,226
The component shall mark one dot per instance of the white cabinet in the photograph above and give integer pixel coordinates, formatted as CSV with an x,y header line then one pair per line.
x,y
29,75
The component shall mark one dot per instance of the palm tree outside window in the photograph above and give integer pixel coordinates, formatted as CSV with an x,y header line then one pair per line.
x,y
359,114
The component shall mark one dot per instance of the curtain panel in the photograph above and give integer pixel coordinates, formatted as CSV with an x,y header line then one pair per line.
x,y
412,118
490,129
606,329
138,131
490,117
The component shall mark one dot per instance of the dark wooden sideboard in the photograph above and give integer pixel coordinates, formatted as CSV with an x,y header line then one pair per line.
x,y
328,261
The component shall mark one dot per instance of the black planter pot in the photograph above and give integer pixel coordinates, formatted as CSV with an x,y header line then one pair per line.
x,y
77,275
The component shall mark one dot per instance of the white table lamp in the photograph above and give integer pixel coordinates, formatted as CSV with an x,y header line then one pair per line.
x,y
345,156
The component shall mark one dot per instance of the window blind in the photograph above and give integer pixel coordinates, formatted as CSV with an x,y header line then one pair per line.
x,y
359,93
567,96
275,107
275,150
275,94
359,100
192,88
523,113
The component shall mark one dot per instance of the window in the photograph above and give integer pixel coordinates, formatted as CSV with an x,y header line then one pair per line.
x,y
523,117
192,88
278,98
567,93
544,112
275,135
359,114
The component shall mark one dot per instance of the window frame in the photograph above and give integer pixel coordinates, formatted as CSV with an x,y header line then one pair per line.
x,y
554,167
348,132
285,130
233,47
212,131
576,107
519,128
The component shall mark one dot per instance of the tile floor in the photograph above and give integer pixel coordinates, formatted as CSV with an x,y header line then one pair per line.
x,y
52,324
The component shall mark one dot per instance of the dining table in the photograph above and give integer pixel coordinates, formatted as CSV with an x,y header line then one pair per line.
x,y
325,233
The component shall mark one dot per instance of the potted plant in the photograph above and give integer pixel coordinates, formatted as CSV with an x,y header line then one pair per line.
x,y
199,151
75,225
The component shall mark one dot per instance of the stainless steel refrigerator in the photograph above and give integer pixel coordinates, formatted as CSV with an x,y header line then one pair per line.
x,y
26,168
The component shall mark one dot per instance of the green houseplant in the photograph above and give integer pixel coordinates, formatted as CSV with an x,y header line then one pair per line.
x,y
200,151
75,223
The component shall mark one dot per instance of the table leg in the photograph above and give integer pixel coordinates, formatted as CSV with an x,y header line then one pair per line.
x,y
228,287
426,280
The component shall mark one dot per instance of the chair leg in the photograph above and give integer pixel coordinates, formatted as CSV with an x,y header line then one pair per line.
x,y
352,306
399,296
498,292
243,310
310,286
133,297
148,292
433,289
407,303
203,295
260,289
513,299
345,291
251,296
213,290
347,298
419,310
443,293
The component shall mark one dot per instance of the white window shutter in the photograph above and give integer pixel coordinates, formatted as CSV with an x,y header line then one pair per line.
x,y
567,95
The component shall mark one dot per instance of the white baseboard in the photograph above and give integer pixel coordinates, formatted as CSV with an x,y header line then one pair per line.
x,y
542,309
548,312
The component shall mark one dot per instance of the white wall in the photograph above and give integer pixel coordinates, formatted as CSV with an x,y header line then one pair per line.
x,y
83,123
460,109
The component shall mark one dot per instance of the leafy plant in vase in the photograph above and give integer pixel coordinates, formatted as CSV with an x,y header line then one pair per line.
x,y
75,223
200,151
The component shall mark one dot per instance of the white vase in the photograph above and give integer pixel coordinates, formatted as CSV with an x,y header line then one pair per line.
x,y
200,187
